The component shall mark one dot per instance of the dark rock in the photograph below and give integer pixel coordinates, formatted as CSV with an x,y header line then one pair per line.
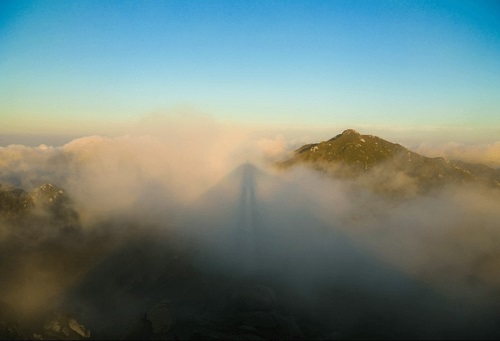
x,y
10,331
254,298
143,330
268,325
161,316
64,327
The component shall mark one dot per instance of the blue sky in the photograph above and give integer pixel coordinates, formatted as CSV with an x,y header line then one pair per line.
x,y
74,64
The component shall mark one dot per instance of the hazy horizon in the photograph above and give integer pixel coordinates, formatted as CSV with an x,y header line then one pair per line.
x,y
85,67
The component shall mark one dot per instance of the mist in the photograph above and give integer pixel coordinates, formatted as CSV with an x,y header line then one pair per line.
x,y
484,153
186,223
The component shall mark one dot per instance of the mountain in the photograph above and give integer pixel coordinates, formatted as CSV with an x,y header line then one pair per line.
x,y
46,203
56,202
42,253
14,202
389,166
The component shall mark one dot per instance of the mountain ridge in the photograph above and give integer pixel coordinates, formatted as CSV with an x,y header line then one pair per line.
x,y
47,202
350,155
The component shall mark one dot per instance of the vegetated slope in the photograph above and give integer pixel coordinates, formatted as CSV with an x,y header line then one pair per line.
x,y
390,166
14,202
43,252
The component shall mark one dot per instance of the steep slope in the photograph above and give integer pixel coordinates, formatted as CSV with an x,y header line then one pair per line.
x,y
352,155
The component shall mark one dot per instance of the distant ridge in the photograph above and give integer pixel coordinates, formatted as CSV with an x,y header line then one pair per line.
x,y
16,204
352,155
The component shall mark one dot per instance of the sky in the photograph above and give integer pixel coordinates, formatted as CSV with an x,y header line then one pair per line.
x,y
91,67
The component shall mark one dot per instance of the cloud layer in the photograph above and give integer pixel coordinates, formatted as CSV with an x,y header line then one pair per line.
x,y
488,154
182,177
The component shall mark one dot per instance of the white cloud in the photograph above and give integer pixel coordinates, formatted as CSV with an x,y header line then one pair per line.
x,y
488,153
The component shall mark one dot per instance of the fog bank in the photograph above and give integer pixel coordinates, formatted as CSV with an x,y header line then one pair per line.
x,y
190,210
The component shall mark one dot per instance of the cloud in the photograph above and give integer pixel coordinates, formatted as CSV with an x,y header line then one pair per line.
x,y
488,154
275,148
178,178
179,156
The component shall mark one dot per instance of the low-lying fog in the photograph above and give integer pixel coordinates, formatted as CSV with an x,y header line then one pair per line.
x,y
190,216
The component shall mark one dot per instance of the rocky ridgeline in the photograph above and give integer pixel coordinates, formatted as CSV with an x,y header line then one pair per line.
x,y
55,327
17,205
352,155
48,194
62,327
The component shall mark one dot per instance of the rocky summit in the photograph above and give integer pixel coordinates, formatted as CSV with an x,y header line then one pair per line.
x,y
47,204
352,155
